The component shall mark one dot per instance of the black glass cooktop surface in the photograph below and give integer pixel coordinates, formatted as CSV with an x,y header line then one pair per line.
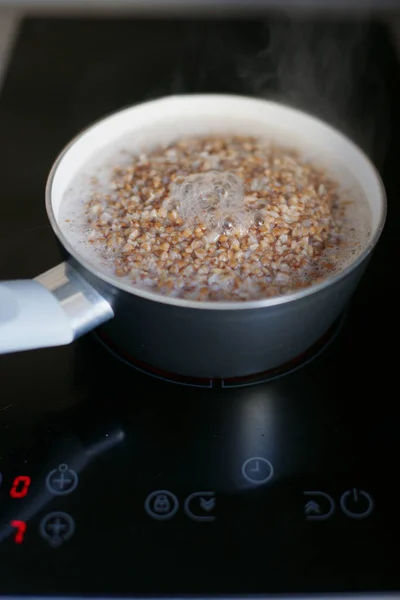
x,y
115,483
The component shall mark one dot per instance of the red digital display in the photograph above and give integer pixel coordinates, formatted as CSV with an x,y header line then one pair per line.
x,y
20,486
20,527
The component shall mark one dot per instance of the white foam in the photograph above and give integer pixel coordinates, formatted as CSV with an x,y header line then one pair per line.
x,y
213,197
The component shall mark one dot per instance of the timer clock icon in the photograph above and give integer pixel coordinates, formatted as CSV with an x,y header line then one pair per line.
x,y
257,470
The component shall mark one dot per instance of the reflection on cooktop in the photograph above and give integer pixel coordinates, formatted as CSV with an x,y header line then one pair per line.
x,y
233,382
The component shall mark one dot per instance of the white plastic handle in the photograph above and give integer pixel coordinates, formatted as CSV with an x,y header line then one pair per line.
x,y
31,317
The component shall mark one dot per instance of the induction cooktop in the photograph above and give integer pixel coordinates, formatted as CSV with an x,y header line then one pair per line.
x,y
116,481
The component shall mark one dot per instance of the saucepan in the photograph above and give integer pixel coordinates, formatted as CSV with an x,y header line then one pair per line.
x,y
191,338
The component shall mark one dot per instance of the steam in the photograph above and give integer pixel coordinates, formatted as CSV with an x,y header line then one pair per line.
x,y
325,67
328,69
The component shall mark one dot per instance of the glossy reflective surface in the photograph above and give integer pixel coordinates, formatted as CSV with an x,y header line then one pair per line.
x,y
135,486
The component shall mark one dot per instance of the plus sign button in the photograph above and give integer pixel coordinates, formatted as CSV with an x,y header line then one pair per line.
x,y
56,528
61,481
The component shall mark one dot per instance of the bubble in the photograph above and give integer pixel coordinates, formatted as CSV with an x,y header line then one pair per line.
x,y
214,198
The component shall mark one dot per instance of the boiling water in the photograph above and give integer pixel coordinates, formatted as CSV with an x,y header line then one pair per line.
x,y
215,196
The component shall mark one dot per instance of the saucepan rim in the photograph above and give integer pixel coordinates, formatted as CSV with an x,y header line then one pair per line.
x,y
216,305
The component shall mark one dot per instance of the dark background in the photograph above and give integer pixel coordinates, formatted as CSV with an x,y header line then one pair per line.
x,y
330,426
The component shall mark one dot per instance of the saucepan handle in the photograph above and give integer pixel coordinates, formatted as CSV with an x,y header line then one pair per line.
x,y
50,310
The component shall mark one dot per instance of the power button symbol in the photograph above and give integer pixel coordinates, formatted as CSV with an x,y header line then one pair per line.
x,y
356,504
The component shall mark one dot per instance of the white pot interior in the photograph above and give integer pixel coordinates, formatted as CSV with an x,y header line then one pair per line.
x,y
164,120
